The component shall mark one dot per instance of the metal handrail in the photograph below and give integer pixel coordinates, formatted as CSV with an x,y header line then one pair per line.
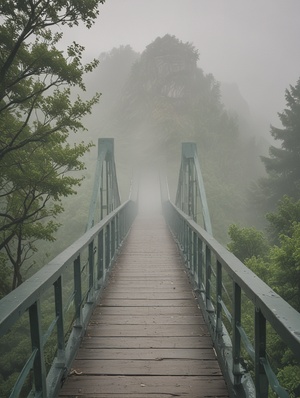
x,y
106,237
198,247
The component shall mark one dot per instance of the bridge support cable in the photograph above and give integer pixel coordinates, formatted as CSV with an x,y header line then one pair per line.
x,y
105,195
191,196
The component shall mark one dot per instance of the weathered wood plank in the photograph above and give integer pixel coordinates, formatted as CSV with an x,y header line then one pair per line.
x,y
121,319
160,367
137,386
146,353
147,311
147,342
155,295
107,301
159,330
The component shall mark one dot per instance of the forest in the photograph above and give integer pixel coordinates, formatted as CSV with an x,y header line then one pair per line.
x,y
52,113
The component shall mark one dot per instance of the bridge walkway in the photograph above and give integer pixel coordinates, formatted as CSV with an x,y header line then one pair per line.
x,y
147,336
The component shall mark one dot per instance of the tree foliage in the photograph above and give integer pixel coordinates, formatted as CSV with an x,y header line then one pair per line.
x,y
279,266
283,164
37,113
247,242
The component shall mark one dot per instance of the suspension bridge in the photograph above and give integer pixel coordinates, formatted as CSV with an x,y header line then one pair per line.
x,y
147,302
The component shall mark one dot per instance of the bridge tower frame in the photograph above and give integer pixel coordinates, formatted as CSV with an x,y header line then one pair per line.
x,y
105,194
190,191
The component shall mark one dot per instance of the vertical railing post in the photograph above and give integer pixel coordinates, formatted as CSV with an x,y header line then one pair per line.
x,y
195,256
261,380
100,265
107,246
176,222
180,232
60,322
118,234
175,217
185,241
39,370
200,263
219,299
190,247
126,221
207,277
121,225
91,271
77,292
113,237
236,337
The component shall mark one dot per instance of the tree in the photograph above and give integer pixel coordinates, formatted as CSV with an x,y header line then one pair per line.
x,y
286,260
37,114
282,220
283,164
247,242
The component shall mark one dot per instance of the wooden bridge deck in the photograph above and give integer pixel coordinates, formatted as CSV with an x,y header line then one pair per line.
x,y
147,337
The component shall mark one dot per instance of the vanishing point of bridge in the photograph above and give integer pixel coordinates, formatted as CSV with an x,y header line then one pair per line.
x,y
154,303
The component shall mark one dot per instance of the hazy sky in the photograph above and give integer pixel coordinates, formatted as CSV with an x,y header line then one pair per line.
x,y
254,43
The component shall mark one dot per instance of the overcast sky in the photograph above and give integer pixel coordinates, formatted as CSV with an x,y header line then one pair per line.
x,y
254,43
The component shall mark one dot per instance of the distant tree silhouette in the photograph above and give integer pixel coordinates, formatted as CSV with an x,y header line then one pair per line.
x,y
283,165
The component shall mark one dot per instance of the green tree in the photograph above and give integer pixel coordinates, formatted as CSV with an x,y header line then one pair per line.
x,y
283,164
247,242
286,260
37,113
282,220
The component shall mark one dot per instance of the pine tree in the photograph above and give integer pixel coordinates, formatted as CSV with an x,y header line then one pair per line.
x,y
283,164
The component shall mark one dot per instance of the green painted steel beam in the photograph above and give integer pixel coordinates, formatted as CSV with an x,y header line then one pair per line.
x,y
185,192
108,182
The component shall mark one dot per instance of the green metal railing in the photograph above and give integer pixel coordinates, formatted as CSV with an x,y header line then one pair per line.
x,y
82,269
212,268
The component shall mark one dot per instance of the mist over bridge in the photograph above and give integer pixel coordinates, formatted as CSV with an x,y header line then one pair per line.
x,y
166,312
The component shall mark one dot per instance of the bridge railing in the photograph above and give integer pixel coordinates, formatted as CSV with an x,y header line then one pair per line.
x,y
212,268
70,285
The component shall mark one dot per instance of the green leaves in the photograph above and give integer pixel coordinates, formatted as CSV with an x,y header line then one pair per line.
x,y
37,113
247,242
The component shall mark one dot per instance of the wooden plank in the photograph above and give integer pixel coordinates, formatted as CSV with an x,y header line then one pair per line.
x,y
136,386
173,295
160,367
122,319
147,342
147,311
125,330
146,353
107,301
143,285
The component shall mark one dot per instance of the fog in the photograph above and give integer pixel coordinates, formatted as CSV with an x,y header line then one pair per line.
x,y
254,44
250,47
